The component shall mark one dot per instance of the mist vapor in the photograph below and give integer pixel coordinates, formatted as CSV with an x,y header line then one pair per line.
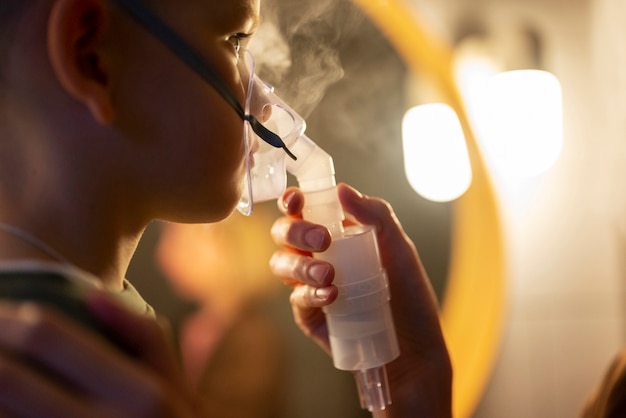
x,y
297,48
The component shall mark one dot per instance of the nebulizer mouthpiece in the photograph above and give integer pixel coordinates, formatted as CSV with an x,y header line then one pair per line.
x,y
362,335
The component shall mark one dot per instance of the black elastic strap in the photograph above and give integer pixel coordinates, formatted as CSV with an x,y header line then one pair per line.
x,y
181,49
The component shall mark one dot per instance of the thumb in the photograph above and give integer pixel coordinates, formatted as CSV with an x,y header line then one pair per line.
x,y
379,213
370,211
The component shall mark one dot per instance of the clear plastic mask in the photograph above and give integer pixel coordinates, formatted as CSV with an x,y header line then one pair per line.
x,y
266,176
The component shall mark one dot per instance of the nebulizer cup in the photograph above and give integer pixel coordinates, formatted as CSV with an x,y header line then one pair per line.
x,y
360,323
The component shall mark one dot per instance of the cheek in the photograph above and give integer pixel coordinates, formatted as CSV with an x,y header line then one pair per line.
x,y
186,137
195,152
217,130
219,159
226,138
198,123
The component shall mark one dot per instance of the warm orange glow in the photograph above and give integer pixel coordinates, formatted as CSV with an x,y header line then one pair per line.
x,y
223,265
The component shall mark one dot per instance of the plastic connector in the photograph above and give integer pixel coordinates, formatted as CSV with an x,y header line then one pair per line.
x,y
373,388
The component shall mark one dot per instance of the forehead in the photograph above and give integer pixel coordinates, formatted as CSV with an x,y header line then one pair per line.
x,y
221,16
238,12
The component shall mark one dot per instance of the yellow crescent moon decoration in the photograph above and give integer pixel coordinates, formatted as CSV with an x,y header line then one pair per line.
x,y
473,309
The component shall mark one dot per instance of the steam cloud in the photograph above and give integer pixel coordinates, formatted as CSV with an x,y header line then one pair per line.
x,y
297,48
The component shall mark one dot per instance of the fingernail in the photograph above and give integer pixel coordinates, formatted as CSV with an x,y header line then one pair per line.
x,y
319,272
322,293
314,238
287,200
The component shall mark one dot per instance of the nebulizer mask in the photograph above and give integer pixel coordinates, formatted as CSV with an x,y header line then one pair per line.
x,y
362,334
266,174
360,326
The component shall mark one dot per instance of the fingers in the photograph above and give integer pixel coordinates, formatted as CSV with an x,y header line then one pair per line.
x,y
291,202
313,324
305,296
295,268
414,303
71,366
24,393
367,210
300,234
304,236
294,265
44,357
41,335
311,279
380,214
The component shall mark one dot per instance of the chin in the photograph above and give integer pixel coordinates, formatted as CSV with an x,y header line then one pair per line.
x,y
208,216
228,204
213,209
216,202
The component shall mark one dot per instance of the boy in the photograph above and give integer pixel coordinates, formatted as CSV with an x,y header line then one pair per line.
x,y
103,129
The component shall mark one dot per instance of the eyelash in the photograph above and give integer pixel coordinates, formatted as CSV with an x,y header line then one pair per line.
x,y
238,39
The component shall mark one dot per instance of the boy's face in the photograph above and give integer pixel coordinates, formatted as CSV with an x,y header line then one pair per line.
x,y
193,139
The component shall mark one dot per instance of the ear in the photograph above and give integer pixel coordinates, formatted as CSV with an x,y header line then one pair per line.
x,y
75,32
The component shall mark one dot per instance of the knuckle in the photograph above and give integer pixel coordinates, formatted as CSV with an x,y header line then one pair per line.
x,y
280,230
381,207
304,296
301,267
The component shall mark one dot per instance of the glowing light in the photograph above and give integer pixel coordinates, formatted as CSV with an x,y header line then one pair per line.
x,y
436,162
520,121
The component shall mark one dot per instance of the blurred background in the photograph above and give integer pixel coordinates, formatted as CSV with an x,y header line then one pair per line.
x,y
560,224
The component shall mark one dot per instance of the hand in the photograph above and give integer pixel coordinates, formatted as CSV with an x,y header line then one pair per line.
x,y
52,367
421,378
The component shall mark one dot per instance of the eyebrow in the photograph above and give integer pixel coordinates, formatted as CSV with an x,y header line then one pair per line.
x,y
252,16
248,14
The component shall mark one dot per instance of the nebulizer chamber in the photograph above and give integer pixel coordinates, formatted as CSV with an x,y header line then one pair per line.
x,y
362,335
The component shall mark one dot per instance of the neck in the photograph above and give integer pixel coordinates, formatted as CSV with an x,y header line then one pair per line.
x,y
106,256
